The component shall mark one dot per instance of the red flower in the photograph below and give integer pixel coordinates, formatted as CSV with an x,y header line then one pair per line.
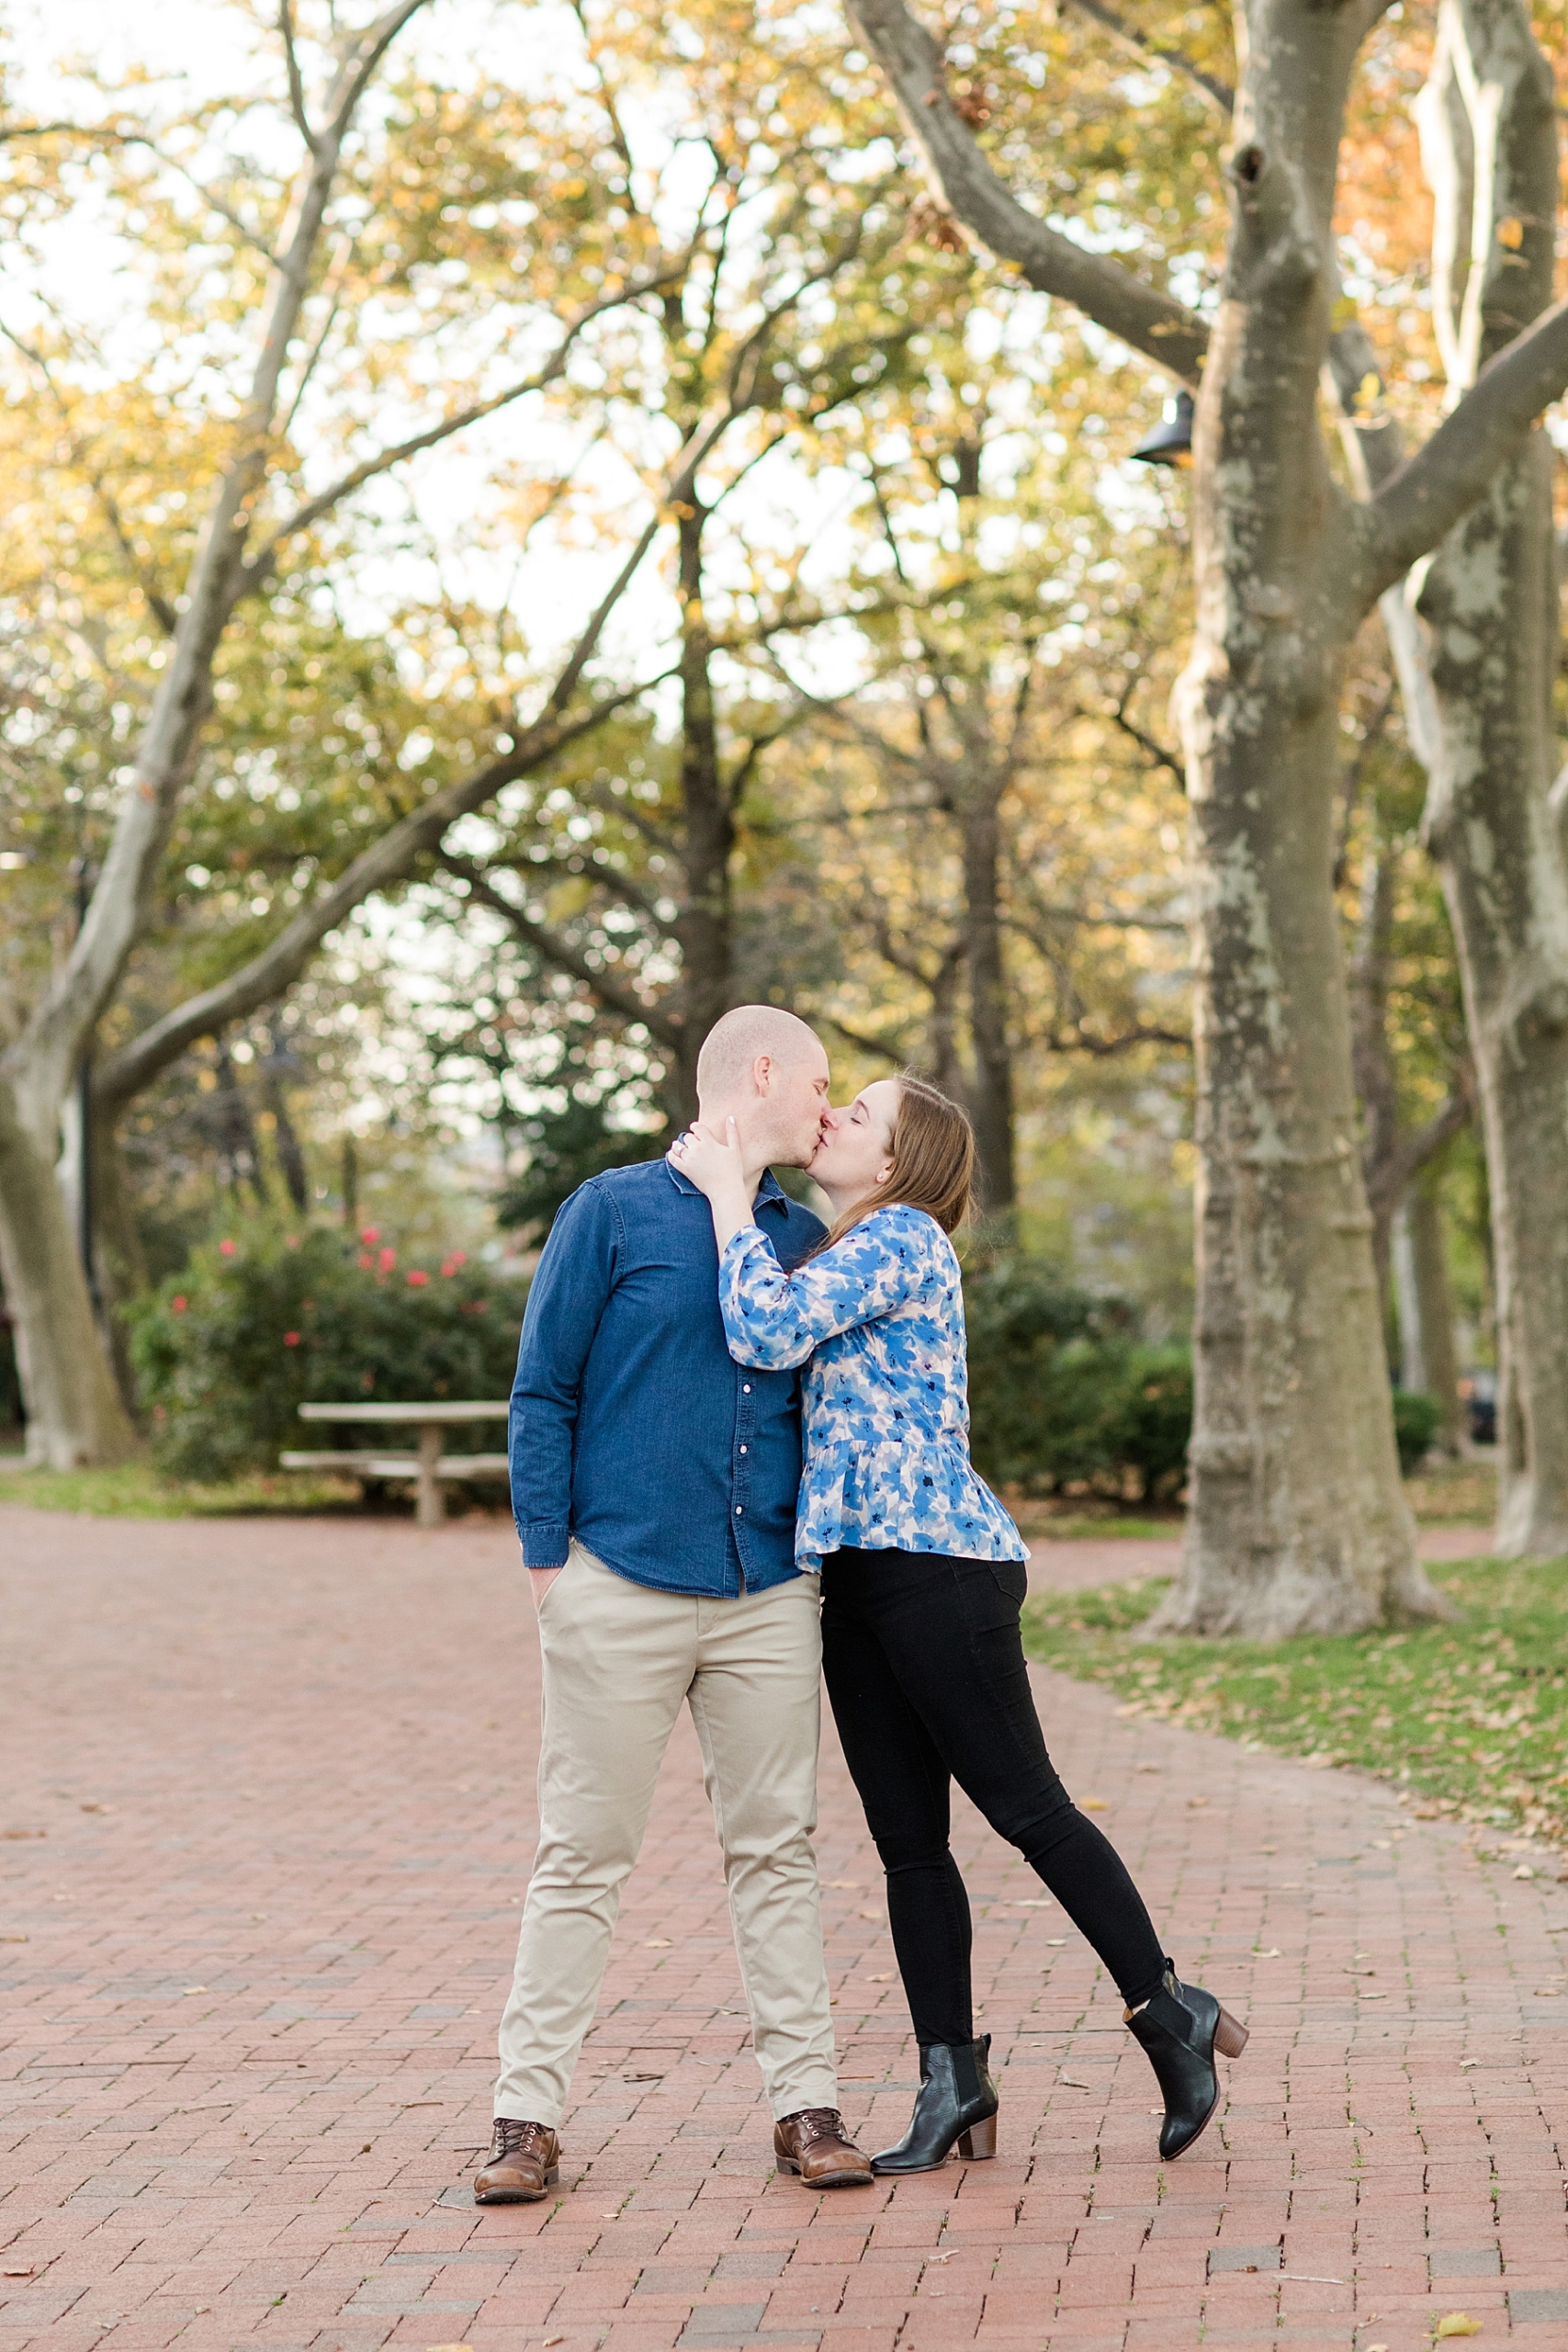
x,y
366,1260
292,1338
389,1259
370,1233
416,1279
227,1248
178,1306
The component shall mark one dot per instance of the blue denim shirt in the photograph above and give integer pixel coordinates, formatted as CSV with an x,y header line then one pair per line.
x,y
632,1428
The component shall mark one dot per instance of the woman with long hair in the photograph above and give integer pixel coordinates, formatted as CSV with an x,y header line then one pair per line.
x,y
923,1578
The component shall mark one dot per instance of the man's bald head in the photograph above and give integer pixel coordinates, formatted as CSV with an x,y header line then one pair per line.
x,y
732,1046
767,1070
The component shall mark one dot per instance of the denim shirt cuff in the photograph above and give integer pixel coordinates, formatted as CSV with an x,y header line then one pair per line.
x,y
545,1543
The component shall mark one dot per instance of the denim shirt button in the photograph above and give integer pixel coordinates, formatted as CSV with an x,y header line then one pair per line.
x,y
738,1510
745,1388
743,1449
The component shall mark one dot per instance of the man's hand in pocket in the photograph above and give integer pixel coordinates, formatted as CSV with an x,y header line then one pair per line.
x,y
541,1579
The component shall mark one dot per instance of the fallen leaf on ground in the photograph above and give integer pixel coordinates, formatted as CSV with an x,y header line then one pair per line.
x,y
887,1979
1524,1870
13,1939
1031,1902
1273,1952
1092,1804
1458,2323
1547,1992
656,1943
1073,2083
1057,1941
877,1917
849,1886
194,1988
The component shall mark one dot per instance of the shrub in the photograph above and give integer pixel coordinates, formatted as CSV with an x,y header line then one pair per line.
x,y
1415,1420
1150,1429
1052,1382
227,1351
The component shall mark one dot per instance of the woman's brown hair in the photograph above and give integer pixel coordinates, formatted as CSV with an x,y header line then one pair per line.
x,y
932,1151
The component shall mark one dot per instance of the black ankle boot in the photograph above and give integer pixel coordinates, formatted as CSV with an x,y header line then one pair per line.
x,y
957,2107
1181,2028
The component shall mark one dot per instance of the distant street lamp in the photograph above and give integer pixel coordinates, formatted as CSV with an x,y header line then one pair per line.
x,y
1170,443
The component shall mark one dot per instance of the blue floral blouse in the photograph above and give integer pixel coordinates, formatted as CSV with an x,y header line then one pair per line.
x,y
886,1398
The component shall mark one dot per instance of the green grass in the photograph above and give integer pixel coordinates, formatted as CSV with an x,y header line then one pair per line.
x,y
135,1491
1473,1715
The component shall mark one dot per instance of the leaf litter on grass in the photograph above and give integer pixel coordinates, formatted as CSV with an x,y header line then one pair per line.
x,y
1471,1715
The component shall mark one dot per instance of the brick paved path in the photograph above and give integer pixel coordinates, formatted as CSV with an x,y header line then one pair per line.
x,y
283,1777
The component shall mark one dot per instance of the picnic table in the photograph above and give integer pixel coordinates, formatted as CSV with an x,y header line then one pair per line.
x,y
429,1468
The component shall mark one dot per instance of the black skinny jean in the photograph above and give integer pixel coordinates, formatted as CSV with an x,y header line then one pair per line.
x,y
925,1670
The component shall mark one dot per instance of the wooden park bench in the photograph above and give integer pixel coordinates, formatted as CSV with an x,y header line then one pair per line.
x,y
428,1467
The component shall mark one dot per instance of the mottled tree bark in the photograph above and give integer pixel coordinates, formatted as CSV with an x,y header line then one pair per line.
x,y
1491,602
1299,1522
705,926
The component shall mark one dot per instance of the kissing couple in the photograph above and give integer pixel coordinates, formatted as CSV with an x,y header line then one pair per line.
x,y
740,1457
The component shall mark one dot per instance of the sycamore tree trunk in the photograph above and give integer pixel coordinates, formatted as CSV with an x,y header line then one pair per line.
x,y
1299,1523
977,808
705,924
1428,1365
74,1408
1491,603
75,1414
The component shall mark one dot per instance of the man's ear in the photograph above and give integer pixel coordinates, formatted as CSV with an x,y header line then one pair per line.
x,y
763,1073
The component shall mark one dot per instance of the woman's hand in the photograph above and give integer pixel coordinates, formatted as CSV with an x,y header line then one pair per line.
x,y
712,1164
717,1166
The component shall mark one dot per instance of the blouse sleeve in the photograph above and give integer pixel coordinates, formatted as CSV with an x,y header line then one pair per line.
x,y
772,1320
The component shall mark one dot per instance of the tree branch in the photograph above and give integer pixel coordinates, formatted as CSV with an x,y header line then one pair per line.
x,y
124,1074
295,80
385,460
1145,48
557,951
857,1037
1387,1183
969,187
1419,503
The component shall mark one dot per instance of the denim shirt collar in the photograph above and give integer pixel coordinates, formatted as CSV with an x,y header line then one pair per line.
x,y
768,1192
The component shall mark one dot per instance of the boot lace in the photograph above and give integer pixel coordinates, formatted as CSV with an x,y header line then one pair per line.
x,y
818,2123
515,2138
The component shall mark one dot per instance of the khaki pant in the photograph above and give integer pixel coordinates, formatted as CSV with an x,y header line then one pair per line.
x,y
619,1661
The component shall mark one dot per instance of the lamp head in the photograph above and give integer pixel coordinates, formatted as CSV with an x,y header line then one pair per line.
x,y
1170,443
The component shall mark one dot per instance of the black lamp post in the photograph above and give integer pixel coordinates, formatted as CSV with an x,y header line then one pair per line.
x,y
1170,443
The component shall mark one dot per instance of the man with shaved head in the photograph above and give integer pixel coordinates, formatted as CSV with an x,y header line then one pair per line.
x,y
654,1484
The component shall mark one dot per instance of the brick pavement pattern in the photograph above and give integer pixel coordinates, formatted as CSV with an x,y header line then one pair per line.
x,y
269,1815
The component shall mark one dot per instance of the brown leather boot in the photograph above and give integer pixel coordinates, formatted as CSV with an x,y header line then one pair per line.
x,y
815,2144
523,2164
